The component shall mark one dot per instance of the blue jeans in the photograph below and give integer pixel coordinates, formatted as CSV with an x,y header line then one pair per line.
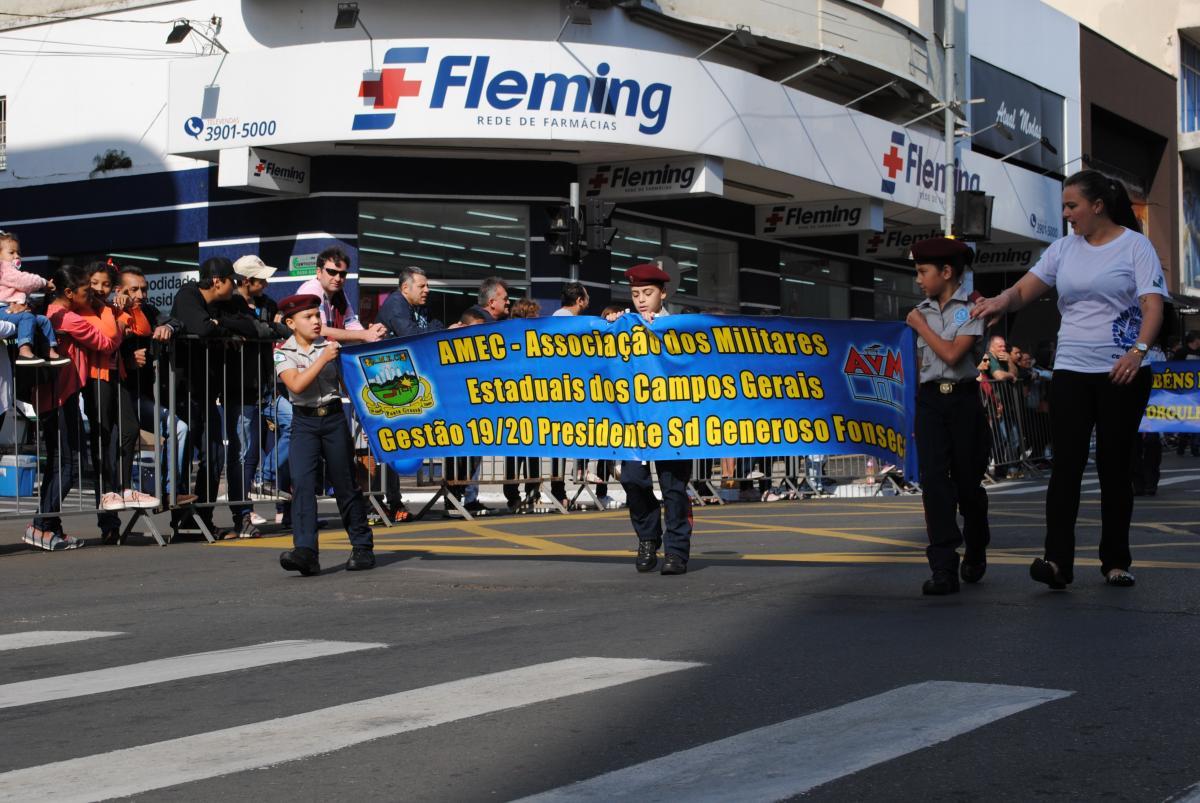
x,y
146,415
275,462
26,322
63,431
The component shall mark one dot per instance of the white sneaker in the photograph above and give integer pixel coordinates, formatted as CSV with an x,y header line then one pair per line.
x,y
256,519
593,478
112,501
137,499
771,496
608,503
755,475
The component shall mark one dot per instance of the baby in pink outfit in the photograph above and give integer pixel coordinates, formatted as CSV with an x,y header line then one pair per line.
x,y
15,285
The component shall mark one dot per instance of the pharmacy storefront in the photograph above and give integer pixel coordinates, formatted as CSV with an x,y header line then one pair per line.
x,y
448,153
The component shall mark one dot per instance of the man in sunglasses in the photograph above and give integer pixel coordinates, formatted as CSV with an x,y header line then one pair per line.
x,y
338,320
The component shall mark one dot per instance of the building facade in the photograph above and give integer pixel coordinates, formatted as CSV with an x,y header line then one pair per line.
x,y
771,158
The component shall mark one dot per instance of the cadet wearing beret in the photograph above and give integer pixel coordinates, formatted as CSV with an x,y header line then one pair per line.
x,y
307,365
648,288
953,441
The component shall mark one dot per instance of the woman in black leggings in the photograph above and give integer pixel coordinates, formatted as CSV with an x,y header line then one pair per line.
x,y
1110,294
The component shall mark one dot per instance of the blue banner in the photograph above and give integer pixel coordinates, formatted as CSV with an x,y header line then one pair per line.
x,y
1174,404
684,386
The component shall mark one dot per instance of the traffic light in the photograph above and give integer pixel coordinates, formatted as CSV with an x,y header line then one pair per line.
x,y
596,216
563,237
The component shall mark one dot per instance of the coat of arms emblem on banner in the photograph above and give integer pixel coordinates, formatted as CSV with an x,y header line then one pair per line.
x,y
393,387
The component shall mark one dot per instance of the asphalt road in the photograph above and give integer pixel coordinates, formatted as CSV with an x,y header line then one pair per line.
x,y
796,656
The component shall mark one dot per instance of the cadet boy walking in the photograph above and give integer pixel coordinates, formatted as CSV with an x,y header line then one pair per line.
x,y
952,430
648,287
306,364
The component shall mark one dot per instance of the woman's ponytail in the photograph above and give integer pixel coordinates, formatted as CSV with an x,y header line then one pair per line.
x,y
1095,186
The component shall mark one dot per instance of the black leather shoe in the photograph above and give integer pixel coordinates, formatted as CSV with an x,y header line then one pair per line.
x,y
361,559
300,560
941,584
1044,572
673,564
647,557
972,572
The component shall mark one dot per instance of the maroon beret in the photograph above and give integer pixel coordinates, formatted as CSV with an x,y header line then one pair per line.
x,y
942,251
646,273
298,303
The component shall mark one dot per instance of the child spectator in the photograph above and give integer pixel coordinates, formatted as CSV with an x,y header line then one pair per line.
x,y
15,285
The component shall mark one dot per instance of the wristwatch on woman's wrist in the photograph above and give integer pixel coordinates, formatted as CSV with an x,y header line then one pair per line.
x,y
1139,349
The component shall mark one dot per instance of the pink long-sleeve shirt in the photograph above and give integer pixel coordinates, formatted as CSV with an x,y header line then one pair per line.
x,y
16,284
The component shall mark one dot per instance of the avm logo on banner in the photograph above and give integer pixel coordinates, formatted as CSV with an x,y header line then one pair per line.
x,y
875,374
467,80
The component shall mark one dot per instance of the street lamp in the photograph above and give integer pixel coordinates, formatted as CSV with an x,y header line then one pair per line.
x,y
347,17
1045,143
206,31
1000,127
828,60
741,34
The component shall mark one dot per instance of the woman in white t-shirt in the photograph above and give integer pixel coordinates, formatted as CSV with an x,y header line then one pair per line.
x,y
1110,294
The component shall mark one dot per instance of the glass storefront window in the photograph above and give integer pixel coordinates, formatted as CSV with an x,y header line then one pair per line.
x,y
813,287
895,295
454,242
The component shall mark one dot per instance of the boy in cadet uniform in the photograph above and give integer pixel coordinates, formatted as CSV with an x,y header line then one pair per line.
x,y
307,365
952,430
648,288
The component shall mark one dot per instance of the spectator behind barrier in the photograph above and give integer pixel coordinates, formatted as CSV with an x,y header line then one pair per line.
x,y
15,287
112,412
338,321
405,312
58,406
209,364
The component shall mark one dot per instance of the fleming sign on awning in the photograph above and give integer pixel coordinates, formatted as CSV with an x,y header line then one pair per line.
x,y
653,178
264,170
819,217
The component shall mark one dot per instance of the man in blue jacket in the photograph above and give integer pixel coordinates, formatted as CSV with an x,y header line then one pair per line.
x,y
404,313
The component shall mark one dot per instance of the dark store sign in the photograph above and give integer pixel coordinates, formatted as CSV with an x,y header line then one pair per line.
x,y
1026,109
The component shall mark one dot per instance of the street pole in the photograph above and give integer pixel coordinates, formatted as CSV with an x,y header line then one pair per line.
x,y
948,99
575,216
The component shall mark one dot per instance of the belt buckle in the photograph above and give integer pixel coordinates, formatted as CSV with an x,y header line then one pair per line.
x,y
945,388
322,412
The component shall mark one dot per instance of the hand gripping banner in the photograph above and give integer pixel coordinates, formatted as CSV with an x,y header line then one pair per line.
x,y
1174,404
684,386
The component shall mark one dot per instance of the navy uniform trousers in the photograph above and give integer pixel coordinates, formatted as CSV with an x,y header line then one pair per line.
x,y
314,438
673,477
953,444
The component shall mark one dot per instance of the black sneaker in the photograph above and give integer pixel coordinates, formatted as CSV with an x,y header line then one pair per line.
x,y
300,560
647,556
477,508
361,559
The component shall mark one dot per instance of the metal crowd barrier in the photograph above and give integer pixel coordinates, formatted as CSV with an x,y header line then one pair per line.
x,y
202,425
1019,419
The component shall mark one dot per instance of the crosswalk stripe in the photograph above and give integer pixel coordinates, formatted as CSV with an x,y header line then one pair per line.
x,y
43,638
1033,489
1161,483
792,757
261,744
1189,795
61,687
